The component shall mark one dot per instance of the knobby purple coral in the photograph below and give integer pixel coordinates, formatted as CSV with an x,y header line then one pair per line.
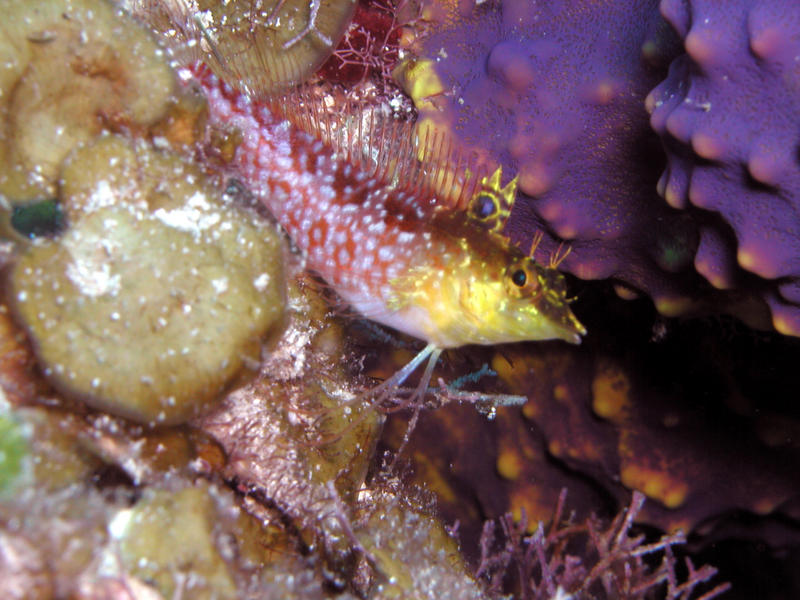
x,y
556,93
729,115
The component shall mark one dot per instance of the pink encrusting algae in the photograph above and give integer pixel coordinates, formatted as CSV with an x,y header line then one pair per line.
x,y
385,241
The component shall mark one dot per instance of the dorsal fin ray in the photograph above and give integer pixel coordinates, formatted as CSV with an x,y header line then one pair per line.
x,y
420,161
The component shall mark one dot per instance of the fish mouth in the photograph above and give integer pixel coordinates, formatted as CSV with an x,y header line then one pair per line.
x,y
573,329
562,323
558,311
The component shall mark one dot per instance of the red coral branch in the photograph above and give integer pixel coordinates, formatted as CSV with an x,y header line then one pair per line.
x,y
371,45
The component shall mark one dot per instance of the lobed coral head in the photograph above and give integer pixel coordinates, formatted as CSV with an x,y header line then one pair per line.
x,y
729,116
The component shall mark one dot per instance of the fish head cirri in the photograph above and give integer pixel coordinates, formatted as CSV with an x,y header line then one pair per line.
x,y
469,285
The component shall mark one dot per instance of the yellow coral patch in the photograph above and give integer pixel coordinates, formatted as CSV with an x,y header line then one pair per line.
x,y
672,306
655,484
433,477
509,464
610,390
554,447
784,325
585,450
560,392
420,81
526,499
531,410
765,506
503,367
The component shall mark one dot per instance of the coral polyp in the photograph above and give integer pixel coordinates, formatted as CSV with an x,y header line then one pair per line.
x,y
69,72
169,281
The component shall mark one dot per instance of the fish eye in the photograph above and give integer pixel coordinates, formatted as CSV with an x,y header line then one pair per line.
x,y
523,280
484,206
519,277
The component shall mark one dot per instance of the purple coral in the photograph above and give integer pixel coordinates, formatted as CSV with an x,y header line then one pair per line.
x,y
556,92
729,115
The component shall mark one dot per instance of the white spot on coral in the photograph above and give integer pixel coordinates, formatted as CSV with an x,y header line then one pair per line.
x,y
119,523
220,285
261,282
194,217
102,195
90,270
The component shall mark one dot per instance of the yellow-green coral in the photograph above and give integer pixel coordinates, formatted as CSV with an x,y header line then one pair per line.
x,y
169,534
158,293
68,70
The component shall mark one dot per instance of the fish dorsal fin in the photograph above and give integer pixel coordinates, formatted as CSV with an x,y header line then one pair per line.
x,y
491,204
364,133
422,162
257,47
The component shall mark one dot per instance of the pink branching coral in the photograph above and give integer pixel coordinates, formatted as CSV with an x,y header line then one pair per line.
x,y
587,560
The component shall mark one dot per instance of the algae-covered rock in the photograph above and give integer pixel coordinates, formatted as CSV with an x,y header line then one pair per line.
x,y
179,538
39,449
412,554
303,521
22,570
168,535
68,70
296,436
159,292
42,449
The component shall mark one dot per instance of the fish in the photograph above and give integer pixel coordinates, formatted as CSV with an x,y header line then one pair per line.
x,y
426,259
